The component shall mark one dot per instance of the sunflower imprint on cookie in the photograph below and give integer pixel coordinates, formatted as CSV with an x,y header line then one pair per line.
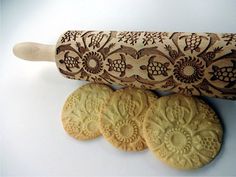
x,y
121,121
126,131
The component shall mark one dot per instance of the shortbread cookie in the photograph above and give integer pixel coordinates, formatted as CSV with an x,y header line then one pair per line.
x,y
82,108
183,131
121,121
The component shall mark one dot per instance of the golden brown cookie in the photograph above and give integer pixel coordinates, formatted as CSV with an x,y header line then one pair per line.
x,y
82,108
183,131
121,121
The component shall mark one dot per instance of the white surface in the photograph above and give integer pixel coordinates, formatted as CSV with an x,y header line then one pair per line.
x,y
33,141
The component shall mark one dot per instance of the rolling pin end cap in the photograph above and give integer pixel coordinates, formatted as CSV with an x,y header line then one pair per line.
x,y
19,51
34,51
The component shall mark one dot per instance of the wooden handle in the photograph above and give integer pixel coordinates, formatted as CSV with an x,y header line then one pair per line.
x,y
34,51
187,63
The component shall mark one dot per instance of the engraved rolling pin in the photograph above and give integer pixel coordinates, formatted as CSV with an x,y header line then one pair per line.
x,y
187,63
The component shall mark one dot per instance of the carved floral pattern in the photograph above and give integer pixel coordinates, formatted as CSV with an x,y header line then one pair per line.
x,y
92,62
189,70
188,63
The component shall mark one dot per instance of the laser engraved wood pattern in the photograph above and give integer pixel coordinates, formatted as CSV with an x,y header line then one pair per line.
x,y
187,63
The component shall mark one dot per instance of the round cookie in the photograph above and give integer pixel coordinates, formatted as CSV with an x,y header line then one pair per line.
x,y
82,108
183,131
121,121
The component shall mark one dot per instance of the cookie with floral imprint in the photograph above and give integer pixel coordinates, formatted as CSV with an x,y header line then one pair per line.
x,y
121,120
184,132
81,111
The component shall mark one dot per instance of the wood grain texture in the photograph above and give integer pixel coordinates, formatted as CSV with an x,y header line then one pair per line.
x,y
187,63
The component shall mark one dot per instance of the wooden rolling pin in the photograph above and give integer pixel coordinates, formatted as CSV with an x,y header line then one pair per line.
x,y
187,63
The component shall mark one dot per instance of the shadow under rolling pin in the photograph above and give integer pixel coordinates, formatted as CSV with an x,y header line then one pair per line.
x,y
181,62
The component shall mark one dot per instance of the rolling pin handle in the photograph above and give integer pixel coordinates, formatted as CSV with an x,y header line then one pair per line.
x,y
34,51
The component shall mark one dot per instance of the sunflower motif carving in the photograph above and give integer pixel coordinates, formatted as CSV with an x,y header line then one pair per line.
x,y
92,62
189,70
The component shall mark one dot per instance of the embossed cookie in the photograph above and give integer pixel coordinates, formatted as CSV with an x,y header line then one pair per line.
x,y
121,121
81,110
182,131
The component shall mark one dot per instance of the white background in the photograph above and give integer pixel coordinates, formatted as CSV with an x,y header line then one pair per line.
x,y
33,141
